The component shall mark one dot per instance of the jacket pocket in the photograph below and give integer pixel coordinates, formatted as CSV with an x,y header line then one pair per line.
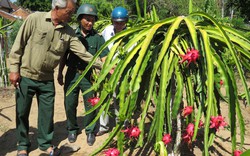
x,y
92,49
61,46
38,36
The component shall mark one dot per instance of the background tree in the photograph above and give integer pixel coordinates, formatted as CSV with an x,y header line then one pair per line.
x,y
4,49
35,5
13,32
238,8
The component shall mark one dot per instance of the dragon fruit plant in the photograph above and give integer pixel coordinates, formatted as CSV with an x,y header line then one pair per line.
x,y
177,65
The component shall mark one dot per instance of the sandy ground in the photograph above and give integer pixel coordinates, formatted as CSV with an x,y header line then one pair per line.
x,y
221,147
7,126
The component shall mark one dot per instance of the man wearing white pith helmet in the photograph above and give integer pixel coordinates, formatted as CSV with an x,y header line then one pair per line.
x,y
119,18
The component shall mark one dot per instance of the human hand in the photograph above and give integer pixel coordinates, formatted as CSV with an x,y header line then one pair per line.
x,y
112,71
14,78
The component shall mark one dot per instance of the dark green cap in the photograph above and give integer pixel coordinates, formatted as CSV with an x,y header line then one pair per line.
x,y
87,9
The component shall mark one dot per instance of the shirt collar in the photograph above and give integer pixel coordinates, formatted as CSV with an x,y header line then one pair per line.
x,y
48,18
78,32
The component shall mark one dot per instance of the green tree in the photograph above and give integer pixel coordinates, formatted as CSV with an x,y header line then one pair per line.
x,y
35,5
4,25
239,8
13,32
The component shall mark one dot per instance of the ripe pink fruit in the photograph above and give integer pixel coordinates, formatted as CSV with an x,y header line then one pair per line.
x,y
132,132
217,122
237,153
221,82
190,129
191,56
187,110
93,101
188,134
166,139
201,124
187,138
112,152
135,132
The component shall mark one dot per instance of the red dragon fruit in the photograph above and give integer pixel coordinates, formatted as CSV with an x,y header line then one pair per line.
x,y
187,110
132,132
93,100
237,153
191,56
112,152
217,122
167,139
188,134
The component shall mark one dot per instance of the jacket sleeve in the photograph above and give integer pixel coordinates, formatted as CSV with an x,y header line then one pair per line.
x,y
78,49
21,40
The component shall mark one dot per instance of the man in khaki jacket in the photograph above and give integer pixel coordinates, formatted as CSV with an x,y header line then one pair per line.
x,y
41,41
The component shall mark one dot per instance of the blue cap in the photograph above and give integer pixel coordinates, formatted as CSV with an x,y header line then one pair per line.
x,y
119,14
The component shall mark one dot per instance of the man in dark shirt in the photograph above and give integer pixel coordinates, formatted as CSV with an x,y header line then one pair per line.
x,y
86,15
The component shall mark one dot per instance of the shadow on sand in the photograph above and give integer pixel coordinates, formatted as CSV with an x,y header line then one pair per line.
x,y
8,142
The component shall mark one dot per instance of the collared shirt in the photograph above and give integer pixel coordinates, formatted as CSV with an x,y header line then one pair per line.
x,y
39,46
107,33
93,42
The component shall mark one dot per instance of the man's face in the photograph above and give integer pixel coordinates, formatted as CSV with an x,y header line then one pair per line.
x,y
64,14
87,22
119,25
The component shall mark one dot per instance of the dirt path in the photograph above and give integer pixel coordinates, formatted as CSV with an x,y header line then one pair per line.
x,y
7,126
221,147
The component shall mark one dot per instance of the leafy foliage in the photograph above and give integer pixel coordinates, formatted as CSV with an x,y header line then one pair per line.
x,y
35,5
15,28
241,6
4,81
149,73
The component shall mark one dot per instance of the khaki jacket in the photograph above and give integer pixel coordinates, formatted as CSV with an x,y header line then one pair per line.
x,y
39,47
